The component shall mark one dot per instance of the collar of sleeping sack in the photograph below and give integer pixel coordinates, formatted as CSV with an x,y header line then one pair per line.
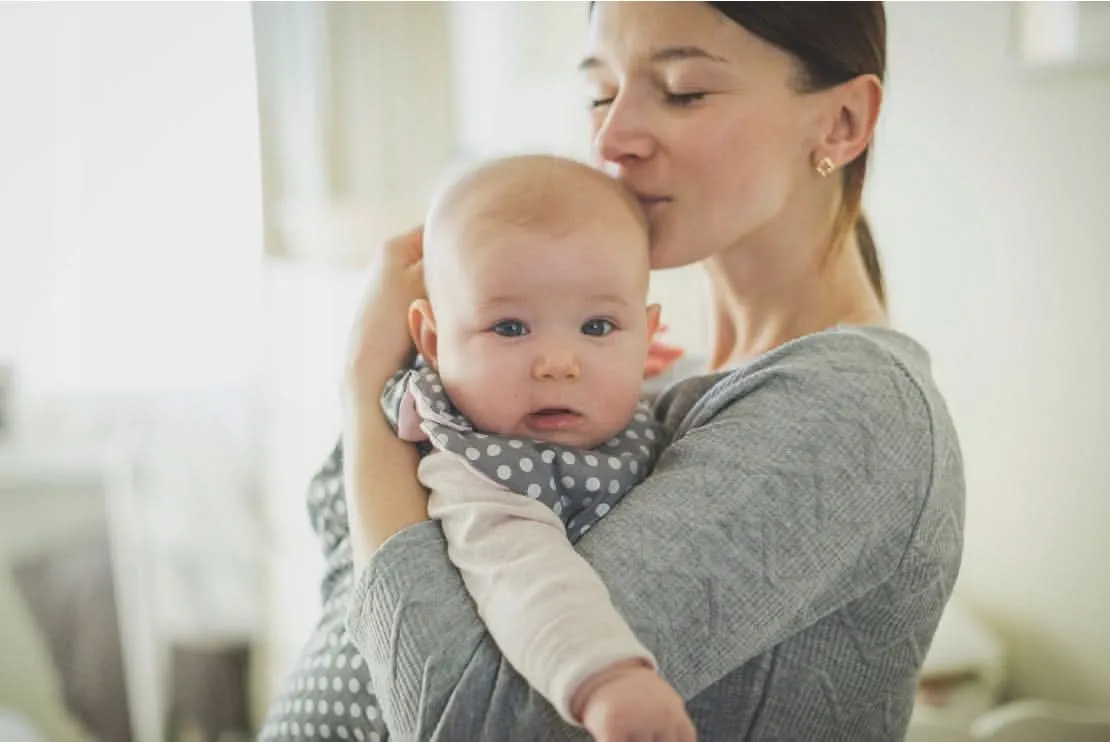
x,y
579,485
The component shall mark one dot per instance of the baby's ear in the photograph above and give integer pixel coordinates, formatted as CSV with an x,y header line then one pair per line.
x,y
422,328
654,313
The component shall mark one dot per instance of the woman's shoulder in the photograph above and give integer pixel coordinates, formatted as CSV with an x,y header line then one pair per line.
x,y
862,373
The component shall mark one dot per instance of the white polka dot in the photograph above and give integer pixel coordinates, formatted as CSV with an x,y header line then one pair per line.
x,y
640,417
333,486
614,486
442,438
480,435
493,449
568,457
526,464
593,484
295,728
557,508
337,710
325,661
614,462
311,683
634,466
613,442
341,731
441,405
650,434
341,507
322,707
473,454
297,706
514,443
551,483
632,435
644,450
285,727
337,684
353,685
371,713
591,459
341,661
568,482
356,661
309,729
437,388
602,509
534,490
547,456
504,472
325,731
356,711
359,735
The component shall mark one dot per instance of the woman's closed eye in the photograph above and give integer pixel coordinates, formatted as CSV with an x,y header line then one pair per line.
x,y
510,328
682,100
678,100
598,327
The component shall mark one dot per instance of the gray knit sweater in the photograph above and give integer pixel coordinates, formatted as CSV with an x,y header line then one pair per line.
x,y
787,561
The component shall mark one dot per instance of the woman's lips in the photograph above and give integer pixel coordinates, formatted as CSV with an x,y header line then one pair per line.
x,y
651,204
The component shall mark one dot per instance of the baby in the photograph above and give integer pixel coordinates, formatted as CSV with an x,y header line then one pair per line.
x,y
534,339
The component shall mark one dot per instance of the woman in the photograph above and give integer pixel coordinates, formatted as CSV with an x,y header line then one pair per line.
x,y
788,559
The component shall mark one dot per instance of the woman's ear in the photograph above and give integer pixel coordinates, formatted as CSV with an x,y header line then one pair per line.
x,y
856,106
422,328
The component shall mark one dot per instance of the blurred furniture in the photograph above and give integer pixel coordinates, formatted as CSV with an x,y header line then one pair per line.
x,y
1042,721
47,495
963,674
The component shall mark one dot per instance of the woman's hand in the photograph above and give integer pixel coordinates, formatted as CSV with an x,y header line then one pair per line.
x,y
380,344
379,469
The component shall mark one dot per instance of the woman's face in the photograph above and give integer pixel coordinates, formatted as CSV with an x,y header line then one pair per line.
x,y
702,119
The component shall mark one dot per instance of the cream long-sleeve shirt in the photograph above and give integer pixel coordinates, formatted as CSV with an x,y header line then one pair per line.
x,y
543,604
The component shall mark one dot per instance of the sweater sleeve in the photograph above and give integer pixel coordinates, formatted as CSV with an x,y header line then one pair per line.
x,y
543,604
789,491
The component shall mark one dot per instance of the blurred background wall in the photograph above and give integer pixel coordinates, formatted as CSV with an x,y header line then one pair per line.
x,y
188,192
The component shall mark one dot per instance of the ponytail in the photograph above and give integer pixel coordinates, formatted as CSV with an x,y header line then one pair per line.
x,y
870,254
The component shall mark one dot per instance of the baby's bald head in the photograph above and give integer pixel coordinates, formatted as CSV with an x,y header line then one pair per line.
x,y
542,194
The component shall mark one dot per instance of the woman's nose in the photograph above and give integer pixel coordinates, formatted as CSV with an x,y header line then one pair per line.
x,y
623,136
556,365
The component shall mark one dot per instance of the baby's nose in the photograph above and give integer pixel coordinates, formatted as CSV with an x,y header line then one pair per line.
x,y
556,365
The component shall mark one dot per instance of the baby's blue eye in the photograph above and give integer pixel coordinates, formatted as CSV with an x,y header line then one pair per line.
x,y
510,328
598,327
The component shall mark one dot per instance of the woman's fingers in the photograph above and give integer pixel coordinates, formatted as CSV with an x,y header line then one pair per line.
x,y
379,342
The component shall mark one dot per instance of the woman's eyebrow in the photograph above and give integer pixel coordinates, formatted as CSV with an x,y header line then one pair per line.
x,y
669,54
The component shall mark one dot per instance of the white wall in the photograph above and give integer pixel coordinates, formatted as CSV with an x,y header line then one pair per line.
x,y
991,202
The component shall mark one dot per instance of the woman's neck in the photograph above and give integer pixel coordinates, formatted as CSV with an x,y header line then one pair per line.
x,y
765,298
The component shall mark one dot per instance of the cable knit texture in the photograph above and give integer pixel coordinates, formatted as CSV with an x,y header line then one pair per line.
x,y
787,562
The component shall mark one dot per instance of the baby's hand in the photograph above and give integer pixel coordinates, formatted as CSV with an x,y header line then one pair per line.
x,y
631,704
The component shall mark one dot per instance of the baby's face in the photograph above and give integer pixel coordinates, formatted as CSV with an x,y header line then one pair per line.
x,y
546,337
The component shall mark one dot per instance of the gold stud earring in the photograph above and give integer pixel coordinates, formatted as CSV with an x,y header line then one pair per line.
x,y
824,166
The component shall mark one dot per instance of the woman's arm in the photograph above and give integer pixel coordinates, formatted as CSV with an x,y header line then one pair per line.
x,y
796,493
379,470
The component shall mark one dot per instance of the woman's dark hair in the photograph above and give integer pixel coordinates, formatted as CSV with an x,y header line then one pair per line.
x,y
833,42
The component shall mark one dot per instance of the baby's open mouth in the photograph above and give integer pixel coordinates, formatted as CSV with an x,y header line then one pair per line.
x,y
553,418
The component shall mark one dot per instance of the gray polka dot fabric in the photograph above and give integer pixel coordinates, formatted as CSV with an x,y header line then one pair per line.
x,y
578,485
328,696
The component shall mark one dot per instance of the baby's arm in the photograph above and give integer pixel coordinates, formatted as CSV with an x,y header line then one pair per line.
x,y
544,605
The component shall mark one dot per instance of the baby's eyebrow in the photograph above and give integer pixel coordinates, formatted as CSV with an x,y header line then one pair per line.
x,y
609,299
